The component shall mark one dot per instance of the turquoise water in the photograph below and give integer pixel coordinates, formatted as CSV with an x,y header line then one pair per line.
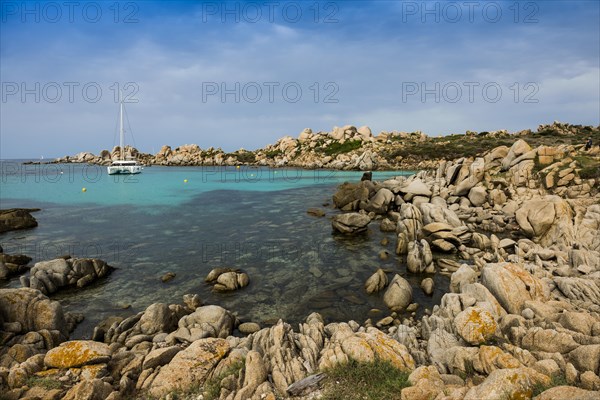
x,y
156,186
154,223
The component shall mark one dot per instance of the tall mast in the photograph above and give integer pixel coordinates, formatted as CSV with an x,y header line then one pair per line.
x,y
122,139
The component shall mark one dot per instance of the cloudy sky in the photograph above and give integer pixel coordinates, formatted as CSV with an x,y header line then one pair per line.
x,y
243,74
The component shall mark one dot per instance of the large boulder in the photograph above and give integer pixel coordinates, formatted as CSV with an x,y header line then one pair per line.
x,y
379,203
463,276
416,188
586,358
548,340
190,366
255,374
513,383
17,218
350,223
568,392
157,318
366,161
54,275
475,174
478,196
399,294
547,220
420,257
77,353
349,193
204,322
95,389
512,285
32,310
365,346
227,279
12,264
305,135
160,356
475,325
588,228
518,148
365,132
579,289
376,282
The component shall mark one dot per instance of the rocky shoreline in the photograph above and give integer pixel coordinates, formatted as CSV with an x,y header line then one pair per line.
x,y
518,230
349,148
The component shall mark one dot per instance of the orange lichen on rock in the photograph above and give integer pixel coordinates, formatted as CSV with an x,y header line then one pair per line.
x,y
77,353
475,325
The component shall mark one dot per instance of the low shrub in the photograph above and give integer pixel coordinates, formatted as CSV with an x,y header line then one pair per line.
x,y
378,380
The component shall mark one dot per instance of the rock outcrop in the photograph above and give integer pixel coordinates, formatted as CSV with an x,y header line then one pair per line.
x,y
54,275
17,218
514,229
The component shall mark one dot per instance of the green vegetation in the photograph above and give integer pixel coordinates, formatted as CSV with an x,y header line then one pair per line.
x,y
378,380
590,167
212,387
449,147
341,148
273,153
471,145
245,157
590,172
43,382
557,380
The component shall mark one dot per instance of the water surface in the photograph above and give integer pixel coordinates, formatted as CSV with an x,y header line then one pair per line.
x,y
188,220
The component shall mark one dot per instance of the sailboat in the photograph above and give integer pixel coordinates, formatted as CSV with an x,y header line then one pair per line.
x,y
123,166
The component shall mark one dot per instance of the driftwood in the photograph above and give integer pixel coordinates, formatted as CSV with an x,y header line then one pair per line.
x,y
306,385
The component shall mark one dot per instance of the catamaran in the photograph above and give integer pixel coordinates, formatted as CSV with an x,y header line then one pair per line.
x,y
123,166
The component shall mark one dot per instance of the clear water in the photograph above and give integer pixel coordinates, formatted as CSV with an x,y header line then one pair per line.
x,y
189,220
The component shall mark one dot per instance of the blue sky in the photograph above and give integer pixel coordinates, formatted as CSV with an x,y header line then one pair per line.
x,y
440,67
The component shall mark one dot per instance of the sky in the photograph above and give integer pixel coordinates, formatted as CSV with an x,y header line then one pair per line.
x,y
242,74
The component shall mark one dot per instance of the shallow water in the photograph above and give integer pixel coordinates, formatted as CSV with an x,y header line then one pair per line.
x,y
155,223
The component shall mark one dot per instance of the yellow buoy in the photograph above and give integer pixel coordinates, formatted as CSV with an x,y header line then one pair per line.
x,y
237,166
83,189
185,181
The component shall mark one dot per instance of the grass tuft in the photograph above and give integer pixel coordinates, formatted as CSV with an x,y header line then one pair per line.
x,y
557,380
44,382
378,380
212,387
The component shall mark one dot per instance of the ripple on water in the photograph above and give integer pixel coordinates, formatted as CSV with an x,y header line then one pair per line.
x,y
296,265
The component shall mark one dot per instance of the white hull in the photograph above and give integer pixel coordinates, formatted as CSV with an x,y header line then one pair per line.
x,y
124,169
123,166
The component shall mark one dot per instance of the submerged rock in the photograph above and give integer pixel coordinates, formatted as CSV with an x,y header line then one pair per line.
x,y
54,275
12,264
350,223
227,279
17,218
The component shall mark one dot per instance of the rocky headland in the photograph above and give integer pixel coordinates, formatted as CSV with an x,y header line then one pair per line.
x,y
515,226
351,148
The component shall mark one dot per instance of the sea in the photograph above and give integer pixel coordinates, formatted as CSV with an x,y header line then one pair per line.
x,y
189,220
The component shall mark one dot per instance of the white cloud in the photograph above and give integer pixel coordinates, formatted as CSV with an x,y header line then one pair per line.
x,y
368,62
